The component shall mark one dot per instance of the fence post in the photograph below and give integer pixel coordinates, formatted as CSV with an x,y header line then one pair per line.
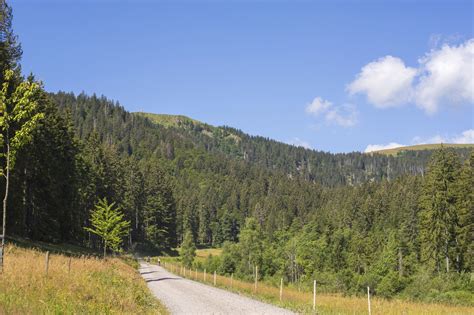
x,y
256,278
214,278
46,267
314,295
69,265
196,274
368,299
281,289
205,273
231,280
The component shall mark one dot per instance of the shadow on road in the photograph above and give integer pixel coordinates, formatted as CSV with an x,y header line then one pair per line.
x,y
161,279
146,272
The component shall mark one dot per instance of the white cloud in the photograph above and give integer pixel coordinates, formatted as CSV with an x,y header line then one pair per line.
x,y
378,147
342,115
447,75
345,116
444,76
317,106
300,143
386,82
466,136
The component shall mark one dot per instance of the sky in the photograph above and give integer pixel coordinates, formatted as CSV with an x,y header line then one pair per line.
x,y
336,76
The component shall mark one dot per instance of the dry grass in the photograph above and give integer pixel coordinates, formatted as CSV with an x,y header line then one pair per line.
x,y
93,286
326,303
202,254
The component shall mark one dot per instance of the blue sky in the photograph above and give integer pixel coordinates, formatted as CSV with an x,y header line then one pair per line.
x,y
332,75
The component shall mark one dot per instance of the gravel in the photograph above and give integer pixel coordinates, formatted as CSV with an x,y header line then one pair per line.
x,y
183,296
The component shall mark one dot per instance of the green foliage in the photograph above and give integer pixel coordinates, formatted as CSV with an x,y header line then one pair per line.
x,y
439,216
19,114
10,48
108,223
187,252
346,220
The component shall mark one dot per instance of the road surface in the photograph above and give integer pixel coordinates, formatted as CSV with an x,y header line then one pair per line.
x,y
183,296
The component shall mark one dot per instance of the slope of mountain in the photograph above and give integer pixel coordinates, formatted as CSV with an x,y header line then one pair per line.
x,y
420,147
143,134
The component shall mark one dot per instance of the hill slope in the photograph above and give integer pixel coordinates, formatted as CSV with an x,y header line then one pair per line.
x,y
421,147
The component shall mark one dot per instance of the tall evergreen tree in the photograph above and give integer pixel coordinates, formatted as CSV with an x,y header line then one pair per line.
x,y
465,208
438,215
187,251
10,48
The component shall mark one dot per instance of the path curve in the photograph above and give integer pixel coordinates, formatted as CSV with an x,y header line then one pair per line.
x,y
183,296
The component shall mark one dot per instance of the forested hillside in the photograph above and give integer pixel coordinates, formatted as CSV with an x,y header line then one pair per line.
x,y
349,220
112,121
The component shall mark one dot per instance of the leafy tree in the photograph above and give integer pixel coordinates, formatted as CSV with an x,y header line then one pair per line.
x,y
18,118
108,223
187,252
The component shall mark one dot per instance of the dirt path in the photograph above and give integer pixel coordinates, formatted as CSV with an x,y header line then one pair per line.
x,y
183,296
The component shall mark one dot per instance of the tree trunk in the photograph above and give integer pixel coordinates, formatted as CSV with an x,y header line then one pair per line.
x,y
4,223
400,262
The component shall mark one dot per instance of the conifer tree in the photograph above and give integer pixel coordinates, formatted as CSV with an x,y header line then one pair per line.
x,y
438,215
10,48
465,208
187,252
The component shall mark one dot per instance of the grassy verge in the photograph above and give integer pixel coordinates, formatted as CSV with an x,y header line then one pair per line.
x,y
202,254
93,286
301,301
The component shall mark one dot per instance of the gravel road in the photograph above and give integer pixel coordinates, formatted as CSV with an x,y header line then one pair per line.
x,y
183,296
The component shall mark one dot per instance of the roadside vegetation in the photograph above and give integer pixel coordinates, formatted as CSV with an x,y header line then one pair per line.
x,y
300,299
92,286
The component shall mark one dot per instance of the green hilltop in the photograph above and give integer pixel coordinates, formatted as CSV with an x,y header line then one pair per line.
x,y
420,147
170,120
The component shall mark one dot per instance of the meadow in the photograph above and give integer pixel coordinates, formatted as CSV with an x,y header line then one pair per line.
x,y
72,285
302,301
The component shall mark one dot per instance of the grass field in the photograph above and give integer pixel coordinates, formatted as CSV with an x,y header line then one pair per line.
x,y
419,147
325,303
202,254
168,120
93,286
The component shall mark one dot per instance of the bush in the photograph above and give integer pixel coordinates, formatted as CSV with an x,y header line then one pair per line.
x,y
390,285
452,288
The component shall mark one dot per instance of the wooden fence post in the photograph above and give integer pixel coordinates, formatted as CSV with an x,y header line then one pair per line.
x,y
196,274
46,267
314,295
231,280
214,278
69,265
368,299
256,278
205,273
281,289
